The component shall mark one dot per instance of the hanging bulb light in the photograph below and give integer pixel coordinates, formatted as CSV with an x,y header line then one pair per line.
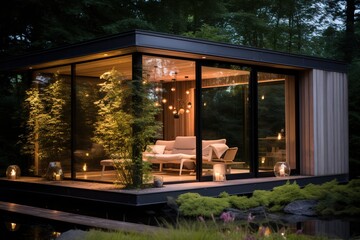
x,y
189,105
171,107
164,100
181,110
187,92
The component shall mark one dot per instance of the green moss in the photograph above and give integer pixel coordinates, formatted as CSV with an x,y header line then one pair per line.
x,y
262,197
333,199
243,202
316,192
186,197
203,206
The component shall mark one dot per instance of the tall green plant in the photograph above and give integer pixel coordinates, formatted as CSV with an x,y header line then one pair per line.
x,y
48,132
125,124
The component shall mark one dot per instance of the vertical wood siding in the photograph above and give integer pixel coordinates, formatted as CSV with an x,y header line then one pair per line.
x,y
323,123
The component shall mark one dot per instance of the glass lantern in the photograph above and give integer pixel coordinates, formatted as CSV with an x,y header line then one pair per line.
x,y
13,172
282,169
158,181
54,172
219,172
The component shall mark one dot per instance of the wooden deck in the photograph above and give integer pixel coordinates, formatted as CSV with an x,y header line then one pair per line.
x,y
35,189
77,219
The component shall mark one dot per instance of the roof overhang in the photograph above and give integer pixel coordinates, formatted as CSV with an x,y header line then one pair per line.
x,y
168,45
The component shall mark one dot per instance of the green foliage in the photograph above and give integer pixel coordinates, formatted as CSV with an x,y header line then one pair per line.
x,y
125,171
283,195
196,231
262,197
193,204
341,200
47,123
243,202
316,192
334,199
125,125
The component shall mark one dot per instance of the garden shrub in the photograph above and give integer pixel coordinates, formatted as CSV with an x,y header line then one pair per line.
x,y
186,197
243,202
203,206
316,192
282,195
341,200
262,197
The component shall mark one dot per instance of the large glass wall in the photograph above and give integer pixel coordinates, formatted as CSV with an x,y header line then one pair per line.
x,y
99,87
225,114
89,117
173,84
48,137
276,120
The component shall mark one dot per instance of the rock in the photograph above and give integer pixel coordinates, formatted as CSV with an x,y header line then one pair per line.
x,y
302,207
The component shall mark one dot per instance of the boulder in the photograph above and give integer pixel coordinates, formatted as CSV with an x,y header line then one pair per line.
x,y
302,207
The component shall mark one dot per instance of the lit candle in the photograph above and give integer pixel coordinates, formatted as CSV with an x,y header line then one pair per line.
x,y
57,177
85,167
282,170
217,176
13,174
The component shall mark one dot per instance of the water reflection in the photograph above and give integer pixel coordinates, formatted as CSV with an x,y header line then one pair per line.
x,y
18,227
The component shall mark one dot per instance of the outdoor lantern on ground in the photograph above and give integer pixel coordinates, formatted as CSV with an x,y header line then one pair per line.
x,y
13,172
282,169
54,172
219,172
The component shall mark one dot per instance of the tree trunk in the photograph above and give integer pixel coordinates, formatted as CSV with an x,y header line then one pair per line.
x,y
350,31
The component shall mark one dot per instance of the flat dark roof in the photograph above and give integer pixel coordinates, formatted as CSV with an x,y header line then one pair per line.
x,y
152,42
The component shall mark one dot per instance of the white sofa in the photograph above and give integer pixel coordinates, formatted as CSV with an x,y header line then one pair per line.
x,y
180,151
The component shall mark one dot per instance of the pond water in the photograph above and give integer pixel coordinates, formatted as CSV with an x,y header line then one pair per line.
x,y
21,227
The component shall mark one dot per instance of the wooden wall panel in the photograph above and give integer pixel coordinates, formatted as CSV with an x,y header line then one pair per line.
x,y
323,123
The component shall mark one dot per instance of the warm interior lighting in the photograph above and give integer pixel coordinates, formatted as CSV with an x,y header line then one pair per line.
x,y
84,167
262,97
13,172
279,136
219,172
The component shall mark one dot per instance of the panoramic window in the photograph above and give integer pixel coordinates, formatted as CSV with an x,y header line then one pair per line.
x,y
98,99
276,120
48,107
225,118
173,84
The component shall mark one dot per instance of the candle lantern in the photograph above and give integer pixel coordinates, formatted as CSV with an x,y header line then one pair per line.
x,y
13,172
219,172
54,172
158,181
282,169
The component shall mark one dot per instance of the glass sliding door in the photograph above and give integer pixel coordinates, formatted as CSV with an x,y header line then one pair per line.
x,y
276,120
225,115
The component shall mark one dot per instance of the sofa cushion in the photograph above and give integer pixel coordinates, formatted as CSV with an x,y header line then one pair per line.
x,y
169,145
185,145
156,149
206,143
